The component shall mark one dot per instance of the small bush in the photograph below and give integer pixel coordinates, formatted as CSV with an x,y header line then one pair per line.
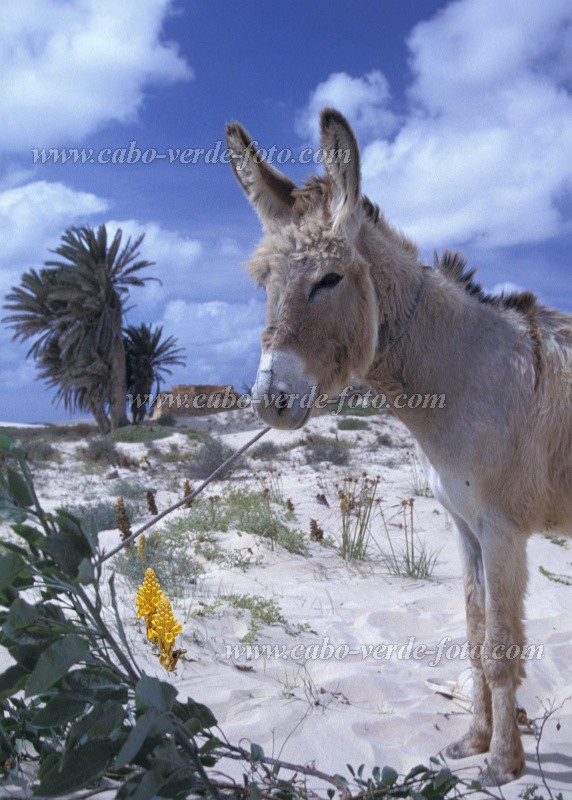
x,y
323,448
102,516
166,552
359,411
262,611
265,451
41,451
246,510
101,451
127,489
352,424
167,421
82,430
211,455
137,434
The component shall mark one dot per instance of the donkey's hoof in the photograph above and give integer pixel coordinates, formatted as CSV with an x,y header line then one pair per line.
x,y
469,745
498,772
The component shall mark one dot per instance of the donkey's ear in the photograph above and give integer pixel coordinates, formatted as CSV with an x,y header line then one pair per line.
x,y
269,191
341,153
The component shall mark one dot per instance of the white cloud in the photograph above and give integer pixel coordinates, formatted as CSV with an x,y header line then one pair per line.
x,y
365,100
485,153
69,67
32,219
507,287
222,340
175,257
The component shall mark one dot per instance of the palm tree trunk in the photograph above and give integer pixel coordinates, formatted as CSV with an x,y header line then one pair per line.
x,y
118,387
100,417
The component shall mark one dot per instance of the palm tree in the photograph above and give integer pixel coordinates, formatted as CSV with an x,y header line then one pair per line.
x,y
148,359
74,309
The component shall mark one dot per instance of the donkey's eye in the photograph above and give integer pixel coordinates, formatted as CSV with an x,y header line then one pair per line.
x,y
327,282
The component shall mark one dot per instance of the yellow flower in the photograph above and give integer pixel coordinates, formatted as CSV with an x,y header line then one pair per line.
x,y
148,598
165,628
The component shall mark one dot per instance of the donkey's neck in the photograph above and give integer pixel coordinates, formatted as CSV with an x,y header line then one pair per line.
x,y
430,331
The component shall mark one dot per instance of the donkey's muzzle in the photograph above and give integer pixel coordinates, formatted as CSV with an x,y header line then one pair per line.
x,y
282,393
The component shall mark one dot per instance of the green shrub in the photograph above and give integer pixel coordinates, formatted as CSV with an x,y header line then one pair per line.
x,y
39,451
137,433
129,490
82,430
324,448
212,454
100,451
102,516
246,510
165,551
265,451
352,424
166,420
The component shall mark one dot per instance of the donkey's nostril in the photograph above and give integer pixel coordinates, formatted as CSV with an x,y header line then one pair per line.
x,y
281,403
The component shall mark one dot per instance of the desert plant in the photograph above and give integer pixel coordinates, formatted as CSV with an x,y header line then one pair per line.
x,y
357,499
411,558
138,433
419,486
40,451
166,420
352,424
265,451
102,515
128,489
324,448
167,552
212,454
554,577
100,451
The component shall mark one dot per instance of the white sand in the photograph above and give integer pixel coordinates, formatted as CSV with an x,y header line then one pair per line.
x,y
357,710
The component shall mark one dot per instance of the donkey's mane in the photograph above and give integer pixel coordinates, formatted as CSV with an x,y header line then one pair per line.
x,y
453,266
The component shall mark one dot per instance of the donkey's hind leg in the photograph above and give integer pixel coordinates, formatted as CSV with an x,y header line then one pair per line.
x,y
504,559
478,738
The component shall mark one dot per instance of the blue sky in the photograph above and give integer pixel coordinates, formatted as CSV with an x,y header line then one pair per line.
x,y
463,111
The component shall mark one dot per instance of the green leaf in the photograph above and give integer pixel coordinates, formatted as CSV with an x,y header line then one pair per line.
x,y
58,711
92,685
389,776
32,535
14,548
19,488
6,442
153,693
12,680
77,769
102,721
148,725
145,787
69,550
415,771
55,662
200,714
85,574
10,565
256,753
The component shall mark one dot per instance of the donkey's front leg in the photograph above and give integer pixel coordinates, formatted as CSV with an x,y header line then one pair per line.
x,y
504,558
478,738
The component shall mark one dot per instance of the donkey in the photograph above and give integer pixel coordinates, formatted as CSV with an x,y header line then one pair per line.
x,y
347,298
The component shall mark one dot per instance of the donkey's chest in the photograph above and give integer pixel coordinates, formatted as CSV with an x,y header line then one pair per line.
x,y
455,491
